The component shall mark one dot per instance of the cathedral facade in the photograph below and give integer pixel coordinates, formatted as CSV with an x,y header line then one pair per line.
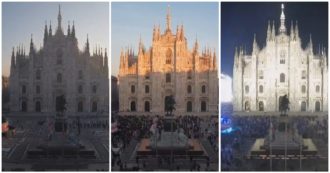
x,y
168,68
39,79
281,68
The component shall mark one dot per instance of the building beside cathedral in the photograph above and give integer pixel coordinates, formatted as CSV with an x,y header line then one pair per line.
x,y
282,67
59,68
168,68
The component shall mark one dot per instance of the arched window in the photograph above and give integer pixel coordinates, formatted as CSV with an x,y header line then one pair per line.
x,y
80,74
24,106
147,106
282,77
189,106
146,89
23,89
168,78
317,88
59,78
94,89
203,106
38,106
317,106
247,89
203,89
38,89
189,90
133,106
94,106
80,106
38,74
261,88
261,106
132,89
303,89
168,56
80,89
303,106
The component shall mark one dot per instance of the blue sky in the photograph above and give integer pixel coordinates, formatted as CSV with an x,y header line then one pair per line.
x,y
130,20
21,19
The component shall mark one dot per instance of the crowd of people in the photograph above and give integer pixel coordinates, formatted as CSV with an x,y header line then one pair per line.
x,y
313,127
129,128
43,127
248,128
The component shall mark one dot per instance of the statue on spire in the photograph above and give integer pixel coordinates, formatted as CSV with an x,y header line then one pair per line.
x,y
87,46
282,26
59,18
168,19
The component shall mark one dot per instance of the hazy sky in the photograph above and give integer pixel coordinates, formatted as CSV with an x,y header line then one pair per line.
x,y
240,20
21,19
130,20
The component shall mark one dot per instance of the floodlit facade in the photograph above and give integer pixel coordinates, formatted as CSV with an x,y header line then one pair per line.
x,y
281,68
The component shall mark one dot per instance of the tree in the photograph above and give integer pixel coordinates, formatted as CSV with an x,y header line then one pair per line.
x,y
169,105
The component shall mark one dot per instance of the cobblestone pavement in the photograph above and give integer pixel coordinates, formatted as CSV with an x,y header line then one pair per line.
x,y
33,130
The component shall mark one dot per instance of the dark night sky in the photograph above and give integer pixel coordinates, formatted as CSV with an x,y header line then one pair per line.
x,y
240,20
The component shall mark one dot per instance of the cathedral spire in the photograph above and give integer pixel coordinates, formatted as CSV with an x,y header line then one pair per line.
x,y
50,29
255,45
292,31
73,32
87,46
12,65
297,31
273,30
310,44
182,33
31,45
178,32
168,19
45,32
140,45
269,31
105,65
282,26
68,28
196,46
59,19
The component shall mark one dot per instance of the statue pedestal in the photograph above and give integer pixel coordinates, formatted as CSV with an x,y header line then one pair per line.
x,y
283,140
61,144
